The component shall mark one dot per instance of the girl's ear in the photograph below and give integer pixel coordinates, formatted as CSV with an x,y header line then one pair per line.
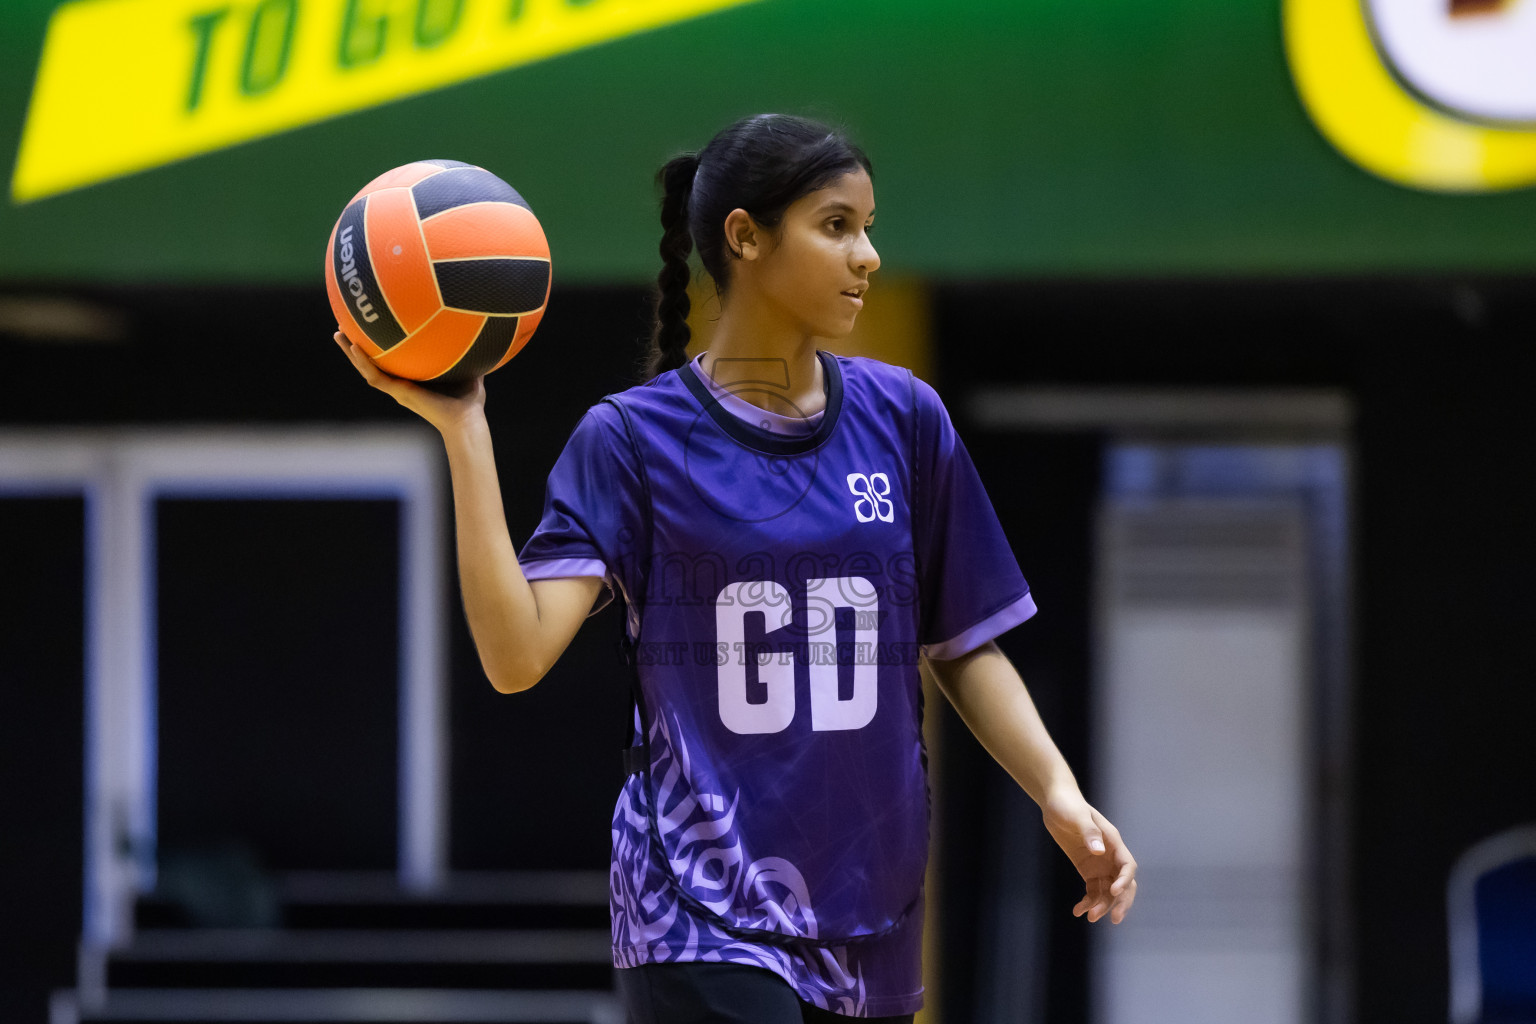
x,y
743,236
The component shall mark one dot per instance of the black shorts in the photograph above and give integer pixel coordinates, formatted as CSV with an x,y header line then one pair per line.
x,y
707,993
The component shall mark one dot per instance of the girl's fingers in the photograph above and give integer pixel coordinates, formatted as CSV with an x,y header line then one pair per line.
x,y
1122,905
1086,904
367,368
1103,898
1123,900
1094,904
354,354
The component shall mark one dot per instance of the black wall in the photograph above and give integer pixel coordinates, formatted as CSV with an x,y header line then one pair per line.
x,y
277,654
42,710
1446,438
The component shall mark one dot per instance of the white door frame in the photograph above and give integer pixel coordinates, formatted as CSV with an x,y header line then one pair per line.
x,y
120,474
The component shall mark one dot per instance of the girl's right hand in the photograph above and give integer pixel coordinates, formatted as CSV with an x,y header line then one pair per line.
x,y
443,411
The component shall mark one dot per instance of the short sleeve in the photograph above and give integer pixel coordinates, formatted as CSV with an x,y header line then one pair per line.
x,y
589,507
970,586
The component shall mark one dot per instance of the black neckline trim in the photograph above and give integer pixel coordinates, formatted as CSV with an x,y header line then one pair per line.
x,y
766,441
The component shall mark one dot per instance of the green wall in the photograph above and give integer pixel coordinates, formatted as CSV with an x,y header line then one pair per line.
x,y
1011,138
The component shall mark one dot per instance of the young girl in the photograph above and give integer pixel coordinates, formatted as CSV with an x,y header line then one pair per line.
x,y
794,534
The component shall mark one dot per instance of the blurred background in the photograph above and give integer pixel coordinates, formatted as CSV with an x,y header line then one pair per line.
x,y
1231,300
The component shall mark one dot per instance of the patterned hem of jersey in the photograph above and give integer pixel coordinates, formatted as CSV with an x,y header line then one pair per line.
x,y
757,956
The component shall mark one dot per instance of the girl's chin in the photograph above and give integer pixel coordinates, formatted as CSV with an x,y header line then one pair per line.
x,y
836,330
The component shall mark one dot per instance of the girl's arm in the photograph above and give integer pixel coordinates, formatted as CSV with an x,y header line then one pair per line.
x,y
987,691
520,628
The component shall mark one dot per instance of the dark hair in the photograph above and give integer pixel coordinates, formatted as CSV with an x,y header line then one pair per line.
x,y
760,164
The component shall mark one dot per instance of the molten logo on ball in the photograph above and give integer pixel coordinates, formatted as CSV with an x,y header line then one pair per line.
x,y
349,275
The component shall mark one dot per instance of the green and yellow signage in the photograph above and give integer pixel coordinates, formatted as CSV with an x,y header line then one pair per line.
x,y
182,141
125,85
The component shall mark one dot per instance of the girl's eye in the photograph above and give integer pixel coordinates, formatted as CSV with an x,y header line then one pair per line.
x,y
836,223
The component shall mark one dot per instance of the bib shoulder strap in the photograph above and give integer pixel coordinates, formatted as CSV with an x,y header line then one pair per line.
x,y
637,753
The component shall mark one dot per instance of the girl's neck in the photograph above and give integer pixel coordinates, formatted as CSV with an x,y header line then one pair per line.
x,y
770,366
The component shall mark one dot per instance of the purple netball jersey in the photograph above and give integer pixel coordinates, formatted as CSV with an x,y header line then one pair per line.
x,y
783,578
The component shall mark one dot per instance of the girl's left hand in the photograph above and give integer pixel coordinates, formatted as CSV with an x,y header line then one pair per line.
x,y
1095,848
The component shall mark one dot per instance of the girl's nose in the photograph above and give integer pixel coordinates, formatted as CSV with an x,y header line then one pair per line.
x,y
865,257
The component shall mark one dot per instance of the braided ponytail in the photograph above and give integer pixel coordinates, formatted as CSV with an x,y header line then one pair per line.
x,y
669,336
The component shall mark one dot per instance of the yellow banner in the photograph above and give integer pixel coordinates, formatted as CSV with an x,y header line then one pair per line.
x,y
125,85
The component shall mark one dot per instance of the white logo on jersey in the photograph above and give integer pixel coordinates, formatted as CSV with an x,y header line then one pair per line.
x,y
873,492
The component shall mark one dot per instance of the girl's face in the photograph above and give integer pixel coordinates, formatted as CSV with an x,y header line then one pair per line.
x,y
814,268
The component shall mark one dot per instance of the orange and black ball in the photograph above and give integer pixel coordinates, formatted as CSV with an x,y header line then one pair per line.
x,y
438,270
